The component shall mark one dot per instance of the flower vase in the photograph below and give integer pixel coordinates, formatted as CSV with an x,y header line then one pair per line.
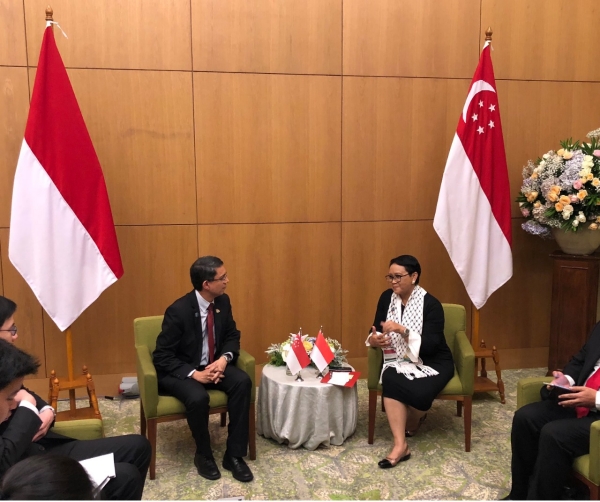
x,y
582,242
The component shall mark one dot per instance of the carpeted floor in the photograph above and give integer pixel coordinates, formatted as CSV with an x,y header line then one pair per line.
x,y
439,467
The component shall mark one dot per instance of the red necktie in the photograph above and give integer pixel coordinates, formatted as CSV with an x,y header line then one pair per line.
x,y
210,332
593,383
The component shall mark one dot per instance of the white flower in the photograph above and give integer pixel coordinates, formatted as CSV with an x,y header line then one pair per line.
x,y
588,158
581,217
545,156
575,223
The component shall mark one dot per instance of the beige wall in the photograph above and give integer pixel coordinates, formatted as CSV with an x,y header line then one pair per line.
x,y
303,141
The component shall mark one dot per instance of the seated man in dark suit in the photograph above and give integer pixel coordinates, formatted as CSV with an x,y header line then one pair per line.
x,y
25,429
547,435
195,352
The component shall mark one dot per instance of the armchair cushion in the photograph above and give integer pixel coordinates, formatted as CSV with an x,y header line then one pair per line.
x,y
90,428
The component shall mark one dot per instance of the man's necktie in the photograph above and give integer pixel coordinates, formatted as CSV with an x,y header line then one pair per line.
x,y
593,383
210,332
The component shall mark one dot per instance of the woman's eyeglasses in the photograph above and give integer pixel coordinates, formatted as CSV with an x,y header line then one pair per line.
x,y
12,330
395,277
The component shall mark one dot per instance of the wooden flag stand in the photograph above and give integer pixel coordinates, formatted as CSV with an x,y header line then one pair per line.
x,y
84,381
482,382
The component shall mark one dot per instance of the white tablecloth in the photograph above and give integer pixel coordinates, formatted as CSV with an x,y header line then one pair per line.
x,y
307,413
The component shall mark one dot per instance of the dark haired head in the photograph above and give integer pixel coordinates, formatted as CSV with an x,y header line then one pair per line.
x,y
204,269
47,477
14,363
7,309
410,264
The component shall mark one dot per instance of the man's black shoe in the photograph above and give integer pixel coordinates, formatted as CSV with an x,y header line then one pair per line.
x,y
238,467
207,467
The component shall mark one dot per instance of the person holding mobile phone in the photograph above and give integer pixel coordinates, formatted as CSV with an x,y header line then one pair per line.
x,y
546,436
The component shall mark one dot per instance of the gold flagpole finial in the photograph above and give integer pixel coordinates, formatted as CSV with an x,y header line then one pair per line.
x,y
49,13
488,34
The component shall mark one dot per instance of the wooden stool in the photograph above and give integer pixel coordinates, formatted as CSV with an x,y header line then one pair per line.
x,y
74,413
482,382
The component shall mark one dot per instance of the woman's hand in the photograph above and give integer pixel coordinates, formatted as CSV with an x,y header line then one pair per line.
x,y
379,340
392,327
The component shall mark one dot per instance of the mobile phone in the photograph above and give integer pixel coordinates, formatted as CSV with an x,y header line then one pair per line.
x,y
342,368
557,390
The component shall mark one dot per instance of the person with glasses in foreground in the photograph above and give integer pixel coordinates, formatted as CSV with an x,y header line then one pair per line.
x,y
417,362
24,433
195,352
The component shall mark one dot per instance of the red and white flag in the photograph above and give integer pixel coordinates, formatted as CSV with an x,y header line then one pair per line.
x,y
62,235
472,217
297,358
321,353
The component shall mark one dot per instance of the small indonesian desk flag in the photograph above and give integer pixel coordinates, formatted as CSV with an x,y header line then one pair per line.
x,y
297,357
472,217
321,353
62,236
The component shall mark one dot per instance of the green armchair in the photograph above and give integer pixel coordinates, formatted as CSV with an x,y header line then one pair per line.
x,y
585,468
89,428
459,388
155,408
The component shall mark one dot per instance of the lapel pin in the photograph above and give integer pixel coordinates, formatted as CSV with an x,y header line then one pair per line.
x,y
218,311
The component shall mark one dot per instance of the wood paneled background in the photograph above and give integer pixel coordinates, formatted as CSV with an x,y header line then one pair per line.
x,y
302,141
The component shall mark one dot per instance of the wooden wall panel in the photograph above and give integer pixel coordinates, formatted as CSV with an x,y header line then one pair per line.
x,y
156,260
267,148
267,36
141,125
12,33
367,248
518,314
282,277
397,135
148,34
405,38
28,317
537,115
14,106
550,40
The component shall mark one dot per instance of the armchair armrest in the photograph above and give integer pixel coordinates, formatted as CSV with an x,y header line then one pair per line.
x,y
594,470
464,360
147,381
528,390
247,363
375,362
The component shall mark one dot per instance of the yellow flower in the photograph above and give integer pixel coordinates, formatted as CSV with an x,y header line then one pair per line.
x,y
307,345
582,194
559,207
552,197
531,196
596,182
589,177
564,199
560,152
593,226
538,204
555,189
567,155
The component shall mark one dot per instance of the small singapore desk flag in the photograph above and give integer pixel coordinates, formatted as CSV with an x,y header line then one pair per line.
x,y
62,236
297,358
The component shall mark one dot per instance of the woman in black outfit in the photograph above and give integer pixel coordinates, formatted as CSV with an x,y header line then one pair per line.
x,y
417,363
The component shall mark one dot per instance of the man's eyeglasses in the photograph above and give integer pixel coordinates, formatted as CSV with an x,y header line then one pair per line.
x,y
395,277
12,330
222,278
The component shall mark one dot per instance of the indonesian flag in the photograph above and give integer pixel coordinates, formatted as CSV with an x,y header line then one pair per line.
x,y
297,357
62,235
321,353
472,217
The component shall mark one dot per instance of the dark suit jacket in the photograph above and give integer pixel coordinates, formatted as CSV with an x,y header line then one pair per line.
x,y
582,364
179,344
17,432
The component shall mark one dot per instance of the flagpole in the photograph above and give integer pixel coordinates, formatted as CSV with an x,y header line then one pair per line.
x,y
68,332
475,327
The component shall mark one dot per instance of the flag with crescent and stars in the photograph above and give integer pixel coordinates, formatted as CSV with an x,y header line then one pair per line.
x,y
472,217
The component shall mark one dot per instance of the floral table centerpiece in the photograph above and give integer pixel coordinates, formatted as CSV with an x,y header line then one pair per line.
x,y
278,351
561,192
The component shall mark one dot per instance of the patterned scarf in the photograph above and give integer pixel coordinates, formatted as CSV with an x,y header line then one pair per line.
x,y
403,354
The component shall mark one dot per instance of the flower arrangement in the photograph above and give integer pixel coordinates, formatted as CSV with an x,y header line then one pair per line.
x,y
278,351
562,189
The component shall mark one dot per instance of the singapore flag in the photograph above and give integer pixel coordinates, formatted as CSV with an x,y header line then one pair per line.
x,y
472,217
